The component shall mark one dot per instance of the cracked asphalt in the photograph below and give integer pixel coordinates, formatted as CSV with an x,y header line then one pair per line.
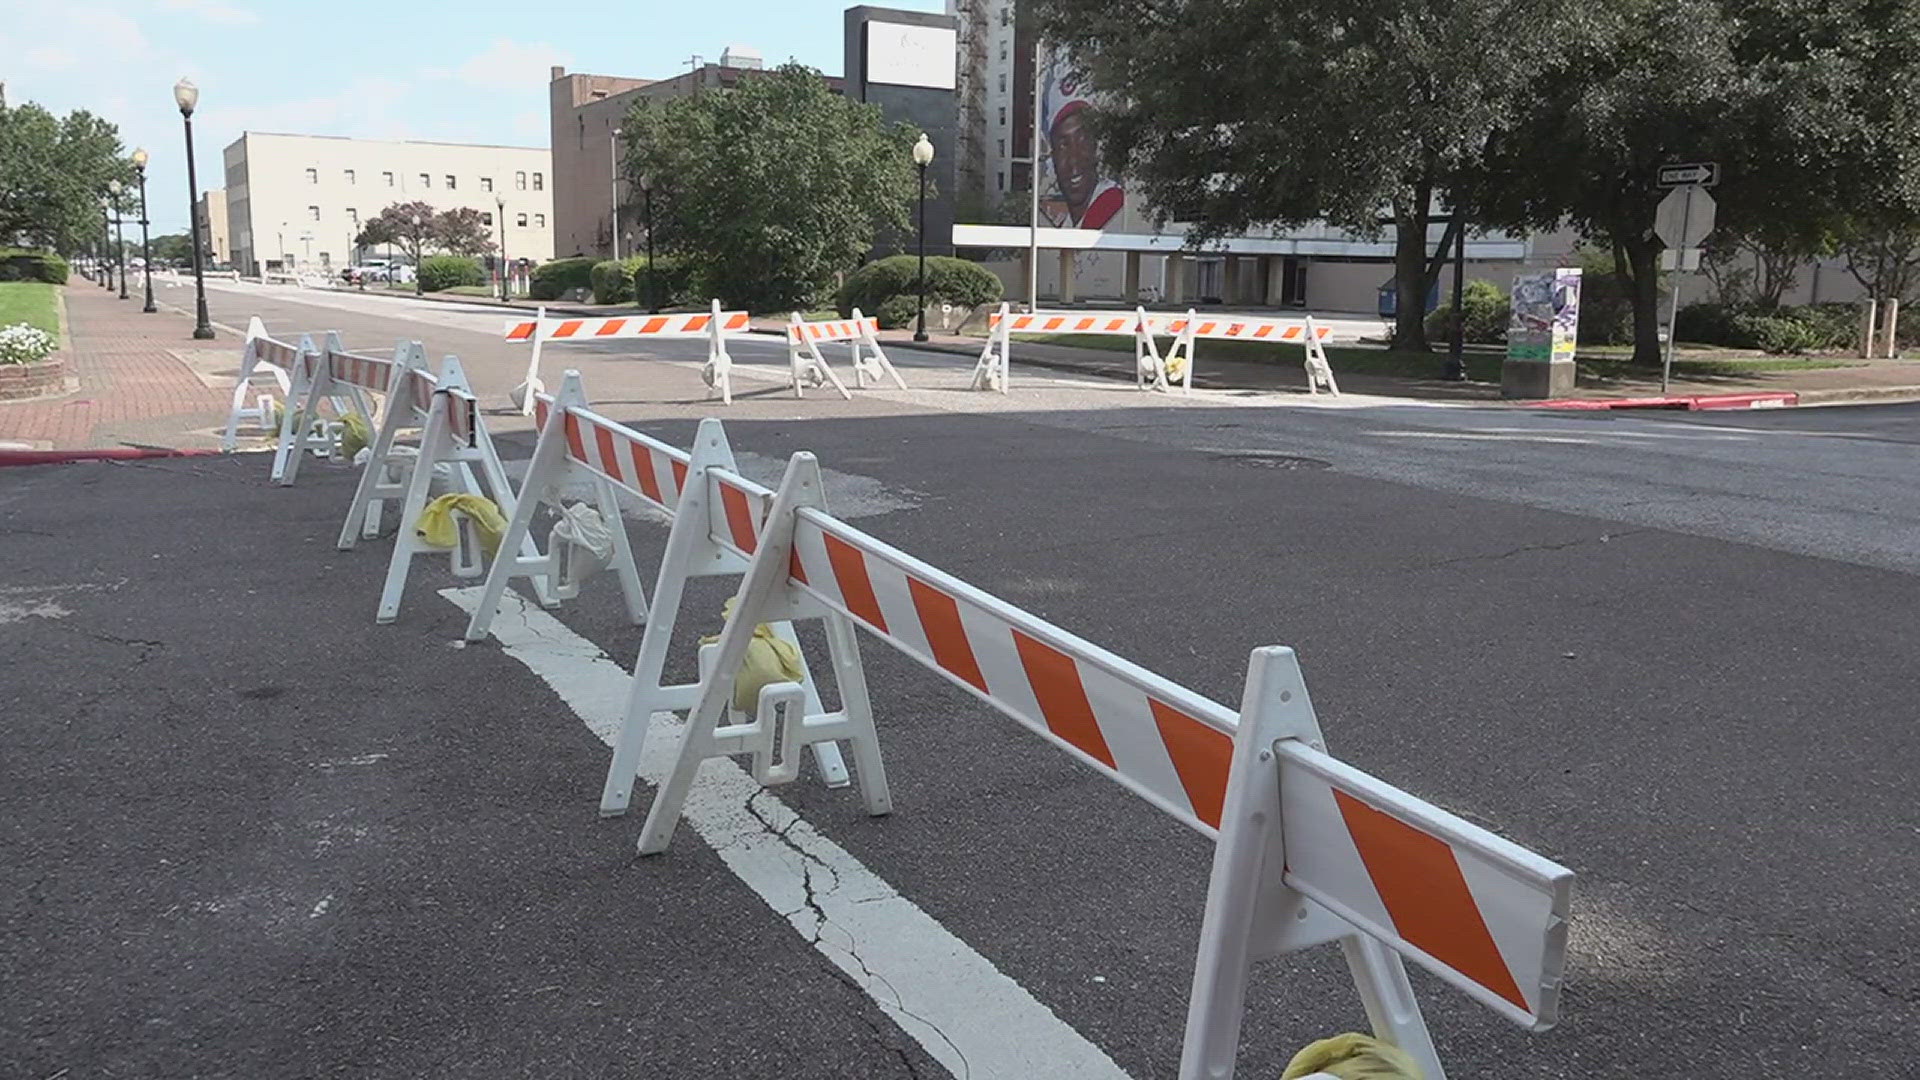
x,y
248,833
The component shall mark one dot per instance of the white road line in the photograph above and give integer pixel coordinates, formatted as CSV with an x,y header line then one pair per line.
x,y
975,1021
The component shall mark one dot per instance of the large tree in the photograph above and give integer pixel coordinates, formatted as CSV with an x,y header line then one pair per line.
x,y
462,232
1805,106
771,187
1230,115
408,224
54,171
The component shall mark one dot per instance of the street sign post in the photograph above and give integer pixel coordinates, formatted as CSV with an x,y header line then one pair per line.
x,y
1685,218
1696,174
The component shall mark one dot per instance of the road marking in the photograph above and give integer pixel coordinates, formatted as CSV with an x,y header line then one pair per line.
x,y
967,1015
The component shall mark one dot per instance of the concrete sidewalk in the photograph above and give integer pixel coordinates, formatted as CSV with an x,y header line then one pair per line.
x,y
133,380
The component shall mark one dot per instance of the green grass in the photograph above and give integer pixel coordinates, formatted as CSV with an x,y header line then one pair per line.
x,y
32,302
472,290
1595,364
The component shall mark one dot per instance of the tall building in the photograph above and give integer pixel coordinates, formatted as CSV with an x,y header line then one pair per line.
x,y
300,200
996,100
216,241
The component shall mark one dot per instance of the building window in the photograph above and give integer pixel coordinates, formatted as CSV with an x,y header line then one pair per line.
x,y
486,183
1002,179
313,176
450,184
349,177
1003,48
1003,116
1003,148
520,220
486,218
539,182
313,213
426,181
539,221
519,181
353,216
389,178
1003,82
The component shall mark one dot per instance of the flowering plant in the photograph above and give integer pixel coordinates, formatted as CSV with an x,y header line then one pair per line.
x,y
23,344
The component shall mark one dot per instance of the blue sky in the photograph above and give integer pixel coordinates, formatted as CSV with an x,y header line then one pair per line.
x,y
412,69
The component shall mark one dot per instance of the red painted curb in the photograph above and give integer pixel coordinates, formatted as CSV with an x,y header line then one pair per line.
x,y
118,453
1695,402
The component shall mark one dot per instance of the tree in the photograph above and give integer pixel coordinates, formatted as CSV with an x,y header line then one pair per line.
x,y
408,224
1883,255
1230,115
771,187
172,247
53,173
1802,105
463,232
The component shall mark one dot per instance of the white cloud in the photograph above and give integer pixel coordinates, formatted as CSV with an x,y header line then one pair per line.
x,y
50,58
213,11
506,63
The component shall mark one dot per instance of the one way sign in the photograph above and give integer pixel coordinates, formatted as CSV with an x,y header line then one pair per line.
x,y
1697,174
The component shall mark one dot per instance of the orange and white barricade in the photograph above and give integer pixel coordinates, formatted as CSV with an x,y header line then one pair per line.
x,y
1303,331
1309,850
714,325
302,429
260,355
870,363
574,437
1153,370
452,433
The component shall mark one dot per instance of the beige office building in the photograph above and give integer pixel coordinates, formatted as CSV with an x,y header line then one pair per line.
x,y
298,201
215,239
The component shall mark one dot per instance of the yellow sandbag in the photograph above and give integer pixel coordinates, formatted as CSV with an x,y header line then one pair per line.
x,y
436,526
354,435
1353,1057
770,659
1175,366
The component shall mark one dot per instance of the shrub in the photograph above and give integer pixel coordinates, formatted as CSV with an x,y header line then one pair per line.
x,y
627,281
949,280
1777,329
24,344
19,265
1606,301
552,280
439,272
1488,310
613,281
897,311
1773,333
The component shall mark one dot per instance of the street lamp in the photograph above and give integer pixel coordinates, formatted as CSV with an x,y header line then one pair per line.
x,y
1455,369
146,249
613,185
923,157
186,95
106,245
119,233
500,204
646,197
419,225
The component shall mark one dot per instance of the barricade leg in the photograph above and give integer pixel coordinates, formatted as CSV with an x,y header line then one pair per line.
x,y
293,437
406,543
607,503
543,472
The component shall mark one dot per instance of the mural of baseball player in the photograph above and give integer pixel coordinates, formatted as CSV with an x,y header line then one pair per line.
x,y
1092,199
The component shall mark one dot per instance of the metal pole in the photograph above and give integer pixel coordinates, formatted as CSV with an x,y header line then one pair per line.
x,y
1033,183
920,327
146,247
613,186
202,326
506,268
653,286
1456,369
120,245
106,249
1673,310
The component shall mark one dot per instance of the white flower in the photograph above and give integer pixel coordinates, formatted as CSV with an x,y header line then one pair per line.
x,y
23,344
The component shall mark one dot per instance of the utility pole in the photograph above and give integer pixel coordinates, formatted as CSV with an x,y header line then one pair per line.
x,y
1033,185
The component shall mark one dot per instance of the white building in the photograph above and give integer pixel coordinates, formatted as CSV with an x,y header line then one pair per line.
x,y
299,200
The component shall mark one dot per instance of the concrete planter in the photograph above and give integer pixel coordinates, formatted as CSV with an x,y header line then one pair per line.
x,y
19,381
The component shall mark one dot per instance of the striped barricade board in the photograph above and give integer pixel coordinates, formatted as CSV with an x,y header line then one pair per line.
x,y
870,363
714,325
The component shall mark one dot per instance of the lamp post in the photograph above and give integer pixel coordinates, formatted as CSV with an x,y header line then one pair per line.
x,y
1456,366
419,224
646,201
146,248
923,157
613,186
186,95
106,246
119,233
506,268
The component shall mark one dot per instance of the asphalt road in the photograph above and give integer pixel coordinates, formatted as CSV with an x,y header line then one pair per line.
x,y
1671,652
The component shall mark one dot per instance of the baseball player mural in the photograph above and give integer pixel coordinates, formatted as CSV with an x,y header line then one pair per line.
x,y
1091,199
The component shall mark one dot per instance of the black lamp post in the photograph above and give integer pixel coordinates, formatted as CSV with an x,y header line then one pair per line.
x,y
1456,369
506,268
119,233
146,248
646,200
186,95
106,248
923,157
419,224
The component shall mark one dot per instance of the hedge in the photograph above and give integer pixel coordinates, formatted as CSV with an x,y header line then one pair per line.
x,y
17,264
949,280
1770,329
552,280
439,272
1488,312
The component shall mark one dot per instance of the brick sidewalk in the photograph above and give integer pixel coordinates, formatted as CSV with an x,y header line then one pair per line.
x,y
129,380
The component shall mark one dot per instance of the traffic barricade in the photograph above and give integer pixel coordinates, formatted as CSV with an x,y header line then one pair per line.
x,y
714,325
260,354
1308,849
810,368
303,430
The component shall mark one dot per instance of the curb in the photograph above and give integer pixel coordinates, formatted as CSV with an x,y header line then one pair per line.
x,y
1688,403
1863,395
118,453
